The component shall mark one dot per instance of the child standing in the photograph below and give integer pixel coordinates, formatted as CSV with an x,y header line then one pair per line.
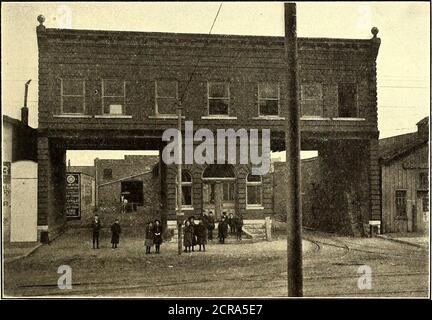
x,y
115,234
149,234
157,235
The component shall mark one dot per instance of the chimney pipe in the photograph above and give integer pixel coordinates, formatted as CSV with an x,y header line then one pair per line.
x,y
24,110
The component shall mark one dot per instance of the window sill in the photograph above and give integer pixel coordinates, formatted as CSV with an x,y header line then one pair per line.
x,y
314,118
112,116
165,117
221,117
71,115
252,207
186,208
349,119
274,118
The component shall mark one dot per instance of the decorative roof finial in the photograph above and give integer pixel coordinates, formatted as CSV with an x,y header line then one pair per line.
x,y
374,31
41,20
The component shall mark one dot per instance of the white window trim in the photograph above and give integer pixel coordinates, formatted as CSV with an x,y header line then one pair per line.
x,y
312,118
269,99
218,117
271,118
250,184
186,184
303,100
215,116
123,96
164,115
349,119
72,95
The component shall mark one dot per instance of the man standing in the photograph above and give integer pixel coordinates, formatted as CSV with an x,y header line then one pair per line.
x,y
210,226
96,227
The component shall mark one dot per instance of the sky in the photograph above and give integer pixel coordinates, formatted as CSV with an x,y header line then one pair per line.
x,y
403,63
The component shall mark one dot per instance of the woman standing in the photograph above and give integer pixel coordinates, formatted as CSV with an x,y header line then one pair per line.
x,y
115,234
157,235
187,238
149,236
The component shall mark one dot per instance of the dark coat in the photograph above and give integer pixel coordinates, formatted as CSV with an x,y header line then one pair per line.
x,y
194,236
223,228
201,234
210,223
115,233
96,226
238,221
188,235
157,234
149,232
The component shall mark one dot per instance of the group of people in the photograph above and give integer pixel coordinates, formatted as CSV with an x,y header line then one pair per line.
x,y
198,234
96,226
194,234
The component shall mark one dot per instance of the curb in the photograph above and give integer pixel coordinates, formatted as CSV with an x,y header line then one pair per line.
x,y
400,241
23,255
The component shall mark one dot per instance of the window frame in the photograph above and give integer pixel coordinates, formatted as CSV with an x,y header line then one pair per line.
x,y
422,186
62,95
357,111
157,113
185,184
209,83
398,213
105,96
303,101
104,175
261,196
269,99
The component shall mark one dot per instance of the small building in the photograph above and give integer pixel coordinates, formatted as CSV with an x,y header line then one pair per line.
x,y
19,153
404,162
134,179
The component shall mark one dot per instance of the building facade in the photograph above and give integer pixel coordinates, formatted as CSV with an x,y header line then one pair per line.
x,y
19,152
404,161
118,90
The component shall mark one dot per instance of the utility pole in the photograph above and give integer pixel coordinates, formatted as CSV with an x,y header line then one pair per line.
x,y
292,144
179,179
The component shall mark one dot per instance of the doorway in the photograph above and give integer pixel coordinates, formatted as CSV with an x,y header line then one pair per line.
x,y
132,191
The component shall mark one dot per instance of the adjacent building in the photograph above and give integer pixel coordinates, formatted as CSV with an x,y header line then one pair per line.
x,y
109,90
404,161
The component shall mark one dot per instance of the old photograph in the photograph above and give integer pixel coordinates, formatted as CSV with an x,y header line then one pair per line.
x,y
215,149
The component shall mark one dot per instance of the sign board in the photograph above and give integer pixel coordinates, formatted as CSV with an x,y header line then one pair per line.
x,y
73,196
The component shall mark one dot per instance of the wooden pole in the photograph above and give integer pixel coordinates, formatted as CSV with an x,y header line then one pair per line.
x,y
179,180
292,143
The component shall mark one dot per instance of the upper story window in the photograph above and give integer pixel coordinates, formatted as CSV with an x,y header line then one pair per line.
x,y
218,98
311,99
186,189
113,97
72,96
166,97
347,100
268,99
423,180
107,174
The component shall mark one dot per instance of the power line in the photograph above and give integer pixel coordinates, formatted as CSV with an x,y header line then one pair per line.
x,y
198,60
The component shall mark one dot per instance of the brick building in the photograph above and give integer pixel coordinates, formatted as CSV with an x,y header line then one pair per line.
x,y
117,90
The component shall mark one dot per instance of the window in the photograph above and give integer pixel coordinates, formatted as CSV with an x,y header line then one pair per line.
x,y
72,96
423,180
347,100
254,190
228,191
401,203
425,202
218,98
113,97
166,97
268,99
107,173
186,189
311,99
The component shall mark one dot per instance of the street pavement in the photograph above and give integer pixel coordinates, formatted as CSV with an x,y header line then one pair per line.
x,y
332,267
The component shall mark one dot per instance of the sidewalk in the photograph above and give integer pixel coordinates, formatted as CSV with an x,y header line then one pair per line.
x,y
419,240
15,251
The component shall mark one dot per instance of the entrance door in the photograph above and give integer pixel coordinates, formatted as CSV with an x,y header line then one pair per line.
x,y
24,201
422,209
